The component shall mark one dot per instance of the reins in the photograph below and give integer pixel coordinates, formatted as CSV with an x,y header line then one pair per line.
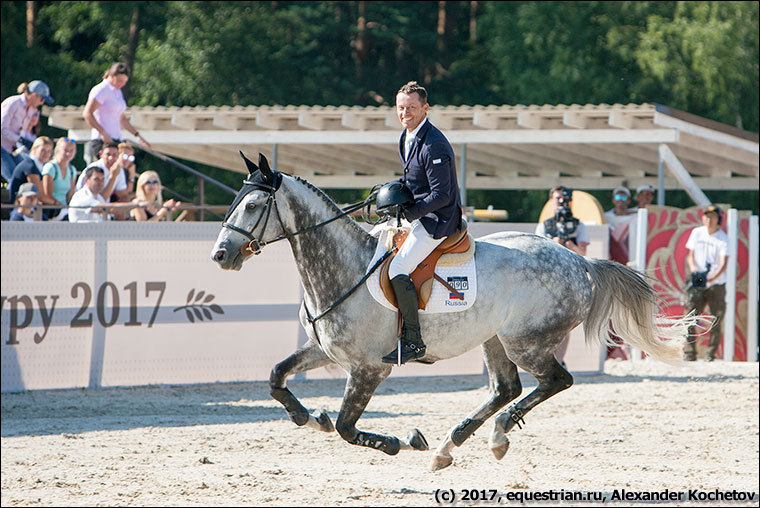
x,y
257,244
313,319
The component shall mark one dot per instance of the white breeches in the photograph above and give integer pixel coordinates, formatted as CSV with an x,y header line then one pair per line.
x,y
416,247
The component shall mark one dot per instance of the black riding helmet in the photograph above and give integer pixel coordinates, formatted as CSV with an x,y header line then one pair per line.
x,y
393,194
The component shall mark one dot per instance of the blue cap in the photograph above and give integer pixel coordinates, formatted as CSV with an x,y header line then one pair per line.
x,y
27,189
41,89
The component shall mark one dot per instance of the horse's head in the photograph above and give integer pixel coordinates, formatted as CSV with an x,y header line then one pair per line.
x,y
252,220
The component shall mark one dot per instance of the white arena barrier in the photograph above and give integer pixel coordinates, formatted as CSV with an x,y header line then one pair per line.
x,y
129,304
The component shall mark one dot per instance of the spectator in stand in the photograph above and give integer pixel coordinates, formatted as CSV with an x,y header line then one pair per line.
x,y
153,207
58,177
16,113
89,196
104,112
30,169
112,165
128,172
25,202
25,141
644,195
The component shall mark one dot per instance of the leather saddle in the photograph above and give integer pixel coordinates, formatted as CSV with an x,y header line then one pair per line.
x,y
455,249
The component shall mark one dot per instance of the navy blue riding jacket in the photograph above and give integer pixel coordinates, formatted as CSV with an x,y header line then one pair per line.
x,y
431,174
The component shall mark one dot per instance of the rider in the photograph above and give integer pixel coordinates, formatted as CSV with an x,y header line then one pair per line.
x,y
430,173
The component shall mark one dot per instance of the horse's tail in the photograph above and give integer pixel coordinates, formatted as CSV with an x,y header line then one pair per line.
x,y
625,305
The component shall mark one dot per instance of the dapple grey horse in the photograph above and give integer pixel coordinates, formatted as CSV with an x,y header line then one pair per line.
x,y
531,293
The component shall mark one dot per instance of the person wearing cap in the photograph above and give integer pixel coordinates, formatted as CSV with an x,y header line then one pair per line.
x,y
26,200
708,254
619,219
16,115
105,112
644,195
620,213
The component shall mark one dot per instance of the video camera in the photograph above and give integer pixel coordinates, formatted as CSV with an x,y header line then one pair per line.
x,y
567,226
699,279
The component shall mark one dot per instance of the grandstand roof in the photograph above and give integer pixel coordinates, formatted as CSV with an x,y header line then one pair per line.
x,y
593,146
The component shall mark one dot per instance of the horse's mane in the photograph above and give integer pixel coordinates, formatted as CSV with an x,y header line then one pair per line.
x,y
319,192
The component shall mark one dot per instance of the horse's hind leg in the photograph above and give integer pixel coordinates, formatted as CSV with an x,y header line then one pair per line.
x,y
308,357
360,387
504,385
552,378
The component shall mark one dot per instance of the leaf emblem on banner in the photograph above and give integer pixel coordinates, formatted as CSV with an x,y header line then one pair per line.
x,y
199,307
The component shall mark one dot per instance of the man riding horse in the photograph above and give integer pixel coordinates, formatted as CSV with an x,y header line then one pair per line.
x,y
434,214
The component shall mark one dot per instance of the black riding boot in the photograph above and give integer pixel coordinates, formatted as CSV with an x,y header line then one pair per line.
x,y
412,346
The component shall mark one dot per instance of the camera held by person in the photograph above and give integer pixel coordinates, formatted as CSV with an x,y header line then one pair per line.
x,y
699,279
562,227
566,224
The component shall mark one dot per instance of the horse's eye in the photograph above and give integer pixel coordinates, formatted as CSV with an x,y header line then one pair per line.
x,y
250,207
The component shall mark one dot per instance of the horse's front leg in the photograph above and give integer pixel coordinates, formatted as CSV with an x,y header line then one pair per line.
x,y
310,356
360,387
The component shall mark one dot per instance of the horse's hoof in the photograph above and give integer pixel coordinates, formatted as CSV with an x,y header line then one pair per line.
x,y
440,462
500,449
417,441
324,421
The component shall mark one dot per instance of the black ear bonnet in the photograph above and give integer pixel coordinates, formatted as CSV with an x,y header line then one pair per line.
x,y
260,178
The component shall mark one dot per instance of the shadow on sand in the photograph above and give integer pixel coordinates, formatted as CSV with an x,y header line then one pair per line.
x,y
50,412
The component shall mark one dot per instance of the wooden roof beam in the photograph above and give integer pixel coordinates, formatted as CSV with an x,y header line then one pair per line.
x,y
530,120
609,159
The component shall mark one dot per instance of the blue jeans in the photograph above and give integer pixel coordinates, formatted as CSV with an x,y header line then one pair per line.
x,y
9,163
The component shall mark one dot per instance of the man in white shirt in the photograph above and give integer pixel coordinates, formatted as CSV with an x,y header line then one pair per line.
x,y
708,252
89,196
108,162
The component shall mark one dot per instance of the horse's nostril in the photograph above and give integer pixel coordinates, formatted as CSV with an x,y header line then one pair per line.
x,y
219,256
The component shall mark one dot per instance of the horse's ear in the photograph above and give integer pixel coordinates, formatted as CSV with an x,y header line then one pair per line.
x,y
252,168
264,166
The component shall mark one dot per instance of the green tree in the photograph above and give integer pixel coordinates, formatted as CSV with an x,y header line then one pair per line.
x,y
706,57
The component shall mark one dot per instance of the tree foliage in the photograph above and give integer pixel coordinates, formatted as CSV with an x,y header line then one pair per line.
x,y
700,57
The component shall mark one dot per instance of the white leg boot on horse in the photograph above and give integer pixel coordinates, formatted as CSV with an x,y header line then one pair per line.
x,y
412,347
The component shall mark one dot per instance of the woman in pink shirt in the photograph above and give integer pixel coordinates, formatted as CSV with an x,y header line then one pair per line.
x,y
104,112
17,112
